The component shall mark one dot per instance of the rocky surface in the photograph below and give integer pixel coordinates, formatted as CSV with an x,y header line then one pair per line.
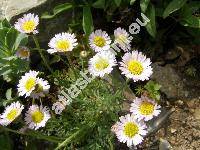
x,y
175,85
10,8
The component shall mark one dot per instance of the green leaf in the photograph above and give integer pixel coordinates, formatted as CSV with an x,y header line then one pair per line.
x,y
87,20
4,23
9,94
191,21
132,2
173,6
3,33
11,38
144,4
117,2
57,10
151,25
5,71
187,17
99,4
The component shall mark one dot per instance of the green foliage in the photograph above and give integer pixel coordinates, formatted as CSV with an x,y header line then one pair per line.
x,y
173,6
57,10
151,26
87,20
139,90
153,90
87,121
99,4
10,40
144,4
187,17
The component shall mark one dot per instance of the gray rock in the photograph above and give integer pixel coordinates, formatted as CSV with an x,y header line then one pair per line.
x,y
10,8
174,84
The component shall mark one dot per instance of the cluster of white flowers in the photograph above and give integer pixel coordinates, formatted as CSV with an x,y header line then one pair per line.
x,y
35,117
134,64
131,128
31,85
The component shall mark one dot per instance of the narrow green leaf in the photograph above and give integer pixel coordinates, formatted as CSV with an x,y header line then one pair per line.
x,y
57,10
173,6
5,71
87,20
117,2
132,2
99,4
144,4
151,26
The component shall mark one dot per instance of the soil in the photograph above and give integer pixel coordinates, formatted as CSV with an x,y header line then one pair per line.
x,y
184,130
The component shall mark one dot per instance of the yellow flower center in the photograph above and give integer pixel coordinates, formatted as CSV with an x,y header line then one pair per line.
x,y
130,129
37,116
121,39
146,108
135,67
12,114
23,53
29,26
63,45
30,83
99,41
101,64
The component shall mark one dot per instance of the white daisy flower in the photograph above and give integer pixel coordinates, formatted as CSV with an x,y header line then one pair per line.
x,y
136,66
122,39
144,108
36,117
62,42
11,113
27,83
41,88
27,24
130,131
23,53
99,40
102,63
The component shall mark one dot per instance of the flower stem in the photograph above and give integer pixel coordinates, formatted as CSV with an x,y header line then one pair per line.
x,y
41,54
